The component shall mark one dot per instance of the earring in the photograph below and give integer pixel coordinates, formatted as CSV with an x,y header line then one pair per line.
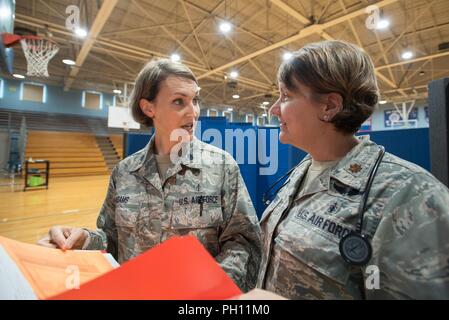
x,y
326,118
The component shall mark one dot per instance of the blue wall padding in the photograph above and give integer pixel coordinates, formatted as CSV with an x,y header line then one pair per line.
x,y
248,160
410,144
218,123
136,141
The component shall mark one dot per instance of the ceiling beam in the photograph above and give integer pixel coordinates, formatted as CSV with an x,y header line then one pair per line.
x,y
298,16
171,35
417,70
418,18
351,25
390,81
304,20
310,30
295,14
237,27
101,18
49,7
428,57
418,31
124,31
323,12
255,66
198,26
194,33
140,54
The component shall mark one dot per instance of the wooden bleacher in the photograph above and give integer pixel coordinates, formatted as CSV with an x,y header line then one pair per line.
x,y
117,142
69,153
68,141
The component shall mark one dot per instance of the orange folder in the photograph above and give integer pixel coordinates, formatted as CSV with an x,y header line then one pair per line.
x,y
46,269
178,269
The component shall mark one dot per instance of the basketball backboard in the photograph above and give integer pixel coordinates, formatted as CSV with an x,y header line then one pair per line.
x,y
120,117
7,15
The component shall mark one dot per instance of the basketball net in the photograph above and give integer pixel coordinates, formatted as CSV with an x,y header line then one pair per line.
x,y
38,52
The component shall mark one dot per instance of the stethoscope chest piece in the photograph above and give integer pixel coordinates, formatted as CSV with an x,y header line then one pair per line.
x,y
355,249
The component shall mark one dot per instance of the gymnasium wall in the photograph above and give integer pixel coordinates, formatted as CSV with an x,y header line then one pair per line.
x,y
377,121
58,101
69,102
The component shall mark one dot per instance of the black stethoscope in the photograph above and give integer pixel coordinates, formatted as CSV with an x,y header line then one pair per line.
x,y
355,248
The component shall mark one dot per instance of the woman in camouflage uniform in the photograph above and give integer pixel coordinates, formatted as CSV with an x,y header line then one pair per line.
x,y
327,90
176,185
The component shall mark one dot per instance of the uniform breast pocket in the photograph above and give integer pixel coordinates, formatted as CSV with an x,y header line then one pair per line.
x,y
196,216
316,254
200,220
126,216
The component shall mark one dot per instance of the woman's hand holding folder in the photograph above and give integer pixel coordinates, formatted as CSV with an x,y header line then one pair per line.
x,y
65,238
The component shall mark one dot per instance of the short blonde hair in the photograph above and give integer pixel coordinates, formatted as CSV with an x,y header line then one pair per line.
x,y
148,82
340,67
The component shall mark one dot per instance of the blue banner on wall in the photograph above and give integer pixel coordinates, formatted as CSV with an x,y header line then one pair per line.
x,y
392,118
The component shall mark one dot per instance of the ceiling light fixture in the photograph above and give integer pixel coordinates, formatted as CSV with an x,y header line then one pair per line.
x,y
175,57
225,27
382,24
407,55
68,62
287,56
234,74
81,33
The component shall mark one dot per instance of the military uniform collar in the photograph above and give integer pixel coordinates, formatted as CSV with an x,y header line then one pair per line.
x,y
353,170
191,159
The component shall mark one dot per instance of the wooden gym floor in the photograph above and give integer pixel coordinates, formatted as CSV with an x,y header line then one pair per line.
x,y
73,201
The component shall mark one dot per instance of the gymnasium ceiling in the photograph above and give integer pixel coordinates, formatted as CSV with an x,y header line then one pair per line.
x,y
124,34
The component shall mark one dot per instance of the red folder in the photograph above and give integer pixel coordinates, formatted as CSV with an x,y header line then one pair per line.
x,y
178,269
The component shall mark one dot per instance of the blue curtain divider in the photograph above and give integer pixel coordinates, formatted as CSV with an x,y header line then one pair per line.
x,y
409,144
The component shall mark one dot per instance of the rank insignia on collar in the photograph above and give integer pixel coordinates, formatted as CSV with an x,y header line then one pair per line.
x,y
355,167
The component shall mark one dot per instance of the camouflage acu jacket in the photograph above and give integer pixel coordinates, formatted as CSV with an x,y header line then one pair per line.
x,y
406,221
203,195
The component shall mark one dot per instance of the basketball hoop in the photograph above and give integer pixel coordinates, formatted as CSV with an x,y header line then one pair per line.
x,y
38,52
